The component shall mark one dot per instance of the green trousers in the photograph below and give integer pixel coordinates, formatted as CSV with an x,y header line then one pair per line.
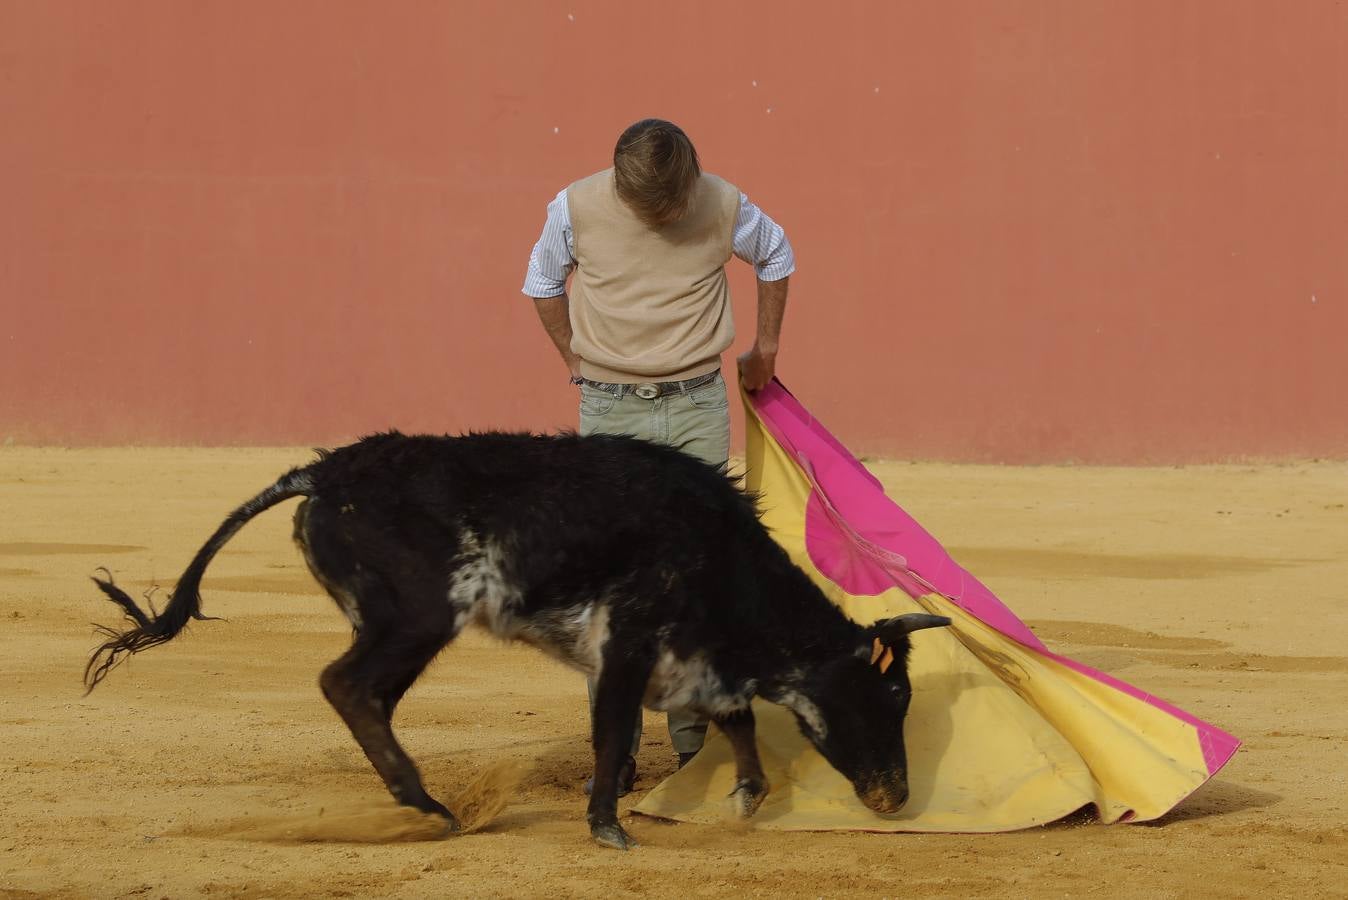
x,y
698,422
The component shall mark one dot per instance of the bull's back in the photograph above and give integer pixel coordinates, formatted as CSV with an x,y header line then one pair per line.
x,y
564,513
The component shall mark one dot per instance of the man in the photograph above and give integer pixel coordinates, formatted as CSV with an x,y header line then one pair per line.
x,y
648,315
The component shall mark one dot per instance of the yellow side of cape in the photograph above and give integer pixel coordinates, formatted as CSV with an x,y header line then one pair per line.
x,y
999,736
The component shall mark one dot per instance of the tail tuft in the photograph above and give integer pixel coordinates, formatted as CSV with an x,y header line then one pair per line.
x,y
148,631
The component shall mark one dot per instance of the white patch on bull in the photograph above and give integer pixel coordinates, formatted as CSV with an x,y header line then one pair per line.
x,y
804,707
575,635
692,683
591,636
479,590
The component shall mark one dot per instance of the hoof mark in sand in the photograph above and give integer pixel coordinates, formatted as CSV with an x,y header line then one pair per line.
x,y
384,822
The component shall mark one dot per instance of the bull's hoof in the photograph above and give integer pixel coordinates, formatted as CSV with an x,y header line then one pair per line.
x,y
612,835
747,796
433,807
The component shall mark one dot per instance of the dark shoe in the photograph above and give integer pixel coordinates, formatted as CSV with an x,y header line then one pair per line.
x,y
627,779
686,758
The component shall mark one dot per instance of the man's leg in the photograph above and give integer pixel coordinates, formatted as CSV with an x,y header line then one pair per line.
x,y
602,413
698,424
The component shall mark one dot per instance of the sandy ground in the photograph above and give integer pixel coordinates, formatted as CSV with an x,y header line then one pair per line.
x,y
202,767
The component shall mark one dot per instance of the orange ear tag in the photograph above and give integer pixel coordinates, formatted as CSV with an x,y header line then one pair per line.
x,y
881,656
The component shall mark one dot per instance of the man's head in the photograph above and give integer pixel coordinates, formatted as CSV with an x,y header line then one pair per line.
x,y
655,169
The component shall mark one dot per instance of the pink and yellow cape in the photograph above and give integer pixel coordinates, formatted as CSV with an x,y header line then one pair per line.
x,y
1002,732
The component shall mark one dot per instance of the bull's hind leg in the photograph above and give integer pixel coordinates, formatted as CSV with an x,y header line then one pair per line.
x,y
364,686
401,622
751,785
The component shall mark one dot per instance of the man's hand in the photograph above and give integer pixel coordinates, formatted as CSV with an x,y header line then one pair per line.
x,y
555,316
572,364
757,367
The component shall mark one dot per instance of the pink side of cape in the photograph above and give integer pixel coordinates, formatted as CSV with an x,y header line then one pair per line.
x,y
863,541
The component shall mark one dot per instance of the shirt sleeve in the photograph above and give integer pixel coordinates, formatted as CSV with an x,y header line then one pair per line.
x,y
554,255
762,243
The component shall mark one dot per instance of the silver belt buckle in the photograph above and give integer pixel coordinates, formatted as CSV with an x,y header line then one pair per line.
x,y
647,391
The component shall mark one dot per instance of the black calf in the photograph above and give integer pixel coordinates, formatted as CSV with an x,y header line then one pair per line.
x,y
626,560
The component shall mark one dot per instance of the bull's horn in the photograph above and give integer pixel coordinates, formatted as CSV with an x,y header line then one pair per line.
x,y
917,621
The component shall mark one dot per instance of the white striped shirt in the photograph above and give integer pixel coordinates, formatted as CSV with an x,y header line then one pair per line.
x,y
758,241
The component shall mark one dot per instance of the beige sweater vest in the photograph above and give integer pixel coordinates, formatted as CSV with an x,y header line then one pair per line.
x,y
650,304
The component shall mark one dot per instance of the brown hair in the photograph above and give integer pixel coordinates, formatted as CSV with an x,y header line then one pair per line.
x,y
655,168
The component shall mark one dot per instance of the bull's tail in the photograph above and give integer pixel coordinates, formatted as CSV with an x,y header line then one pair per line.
x,y
185,603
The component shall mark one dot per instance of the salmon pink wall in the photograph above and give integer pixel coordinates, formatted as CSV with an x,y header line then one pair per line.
x,y
1027,231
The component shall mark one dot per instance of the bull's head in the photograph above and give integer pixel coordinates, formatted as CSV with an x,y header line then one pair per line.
x,y
852,710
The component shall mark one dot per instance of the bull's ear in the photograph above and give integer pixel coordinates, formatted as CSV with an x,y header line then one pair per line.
x,y
888,630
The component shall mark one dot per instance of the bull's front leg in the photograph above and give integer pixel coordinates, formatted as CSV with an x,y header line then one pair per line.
x,y
751,785
617,704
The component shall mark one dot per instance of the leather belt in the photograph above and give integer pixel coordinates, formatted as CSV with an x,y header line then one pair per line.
x,y
651,390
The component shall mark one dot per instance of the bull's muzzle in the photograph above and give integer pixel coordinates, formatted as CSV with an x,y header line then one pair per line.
x,y
885,797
